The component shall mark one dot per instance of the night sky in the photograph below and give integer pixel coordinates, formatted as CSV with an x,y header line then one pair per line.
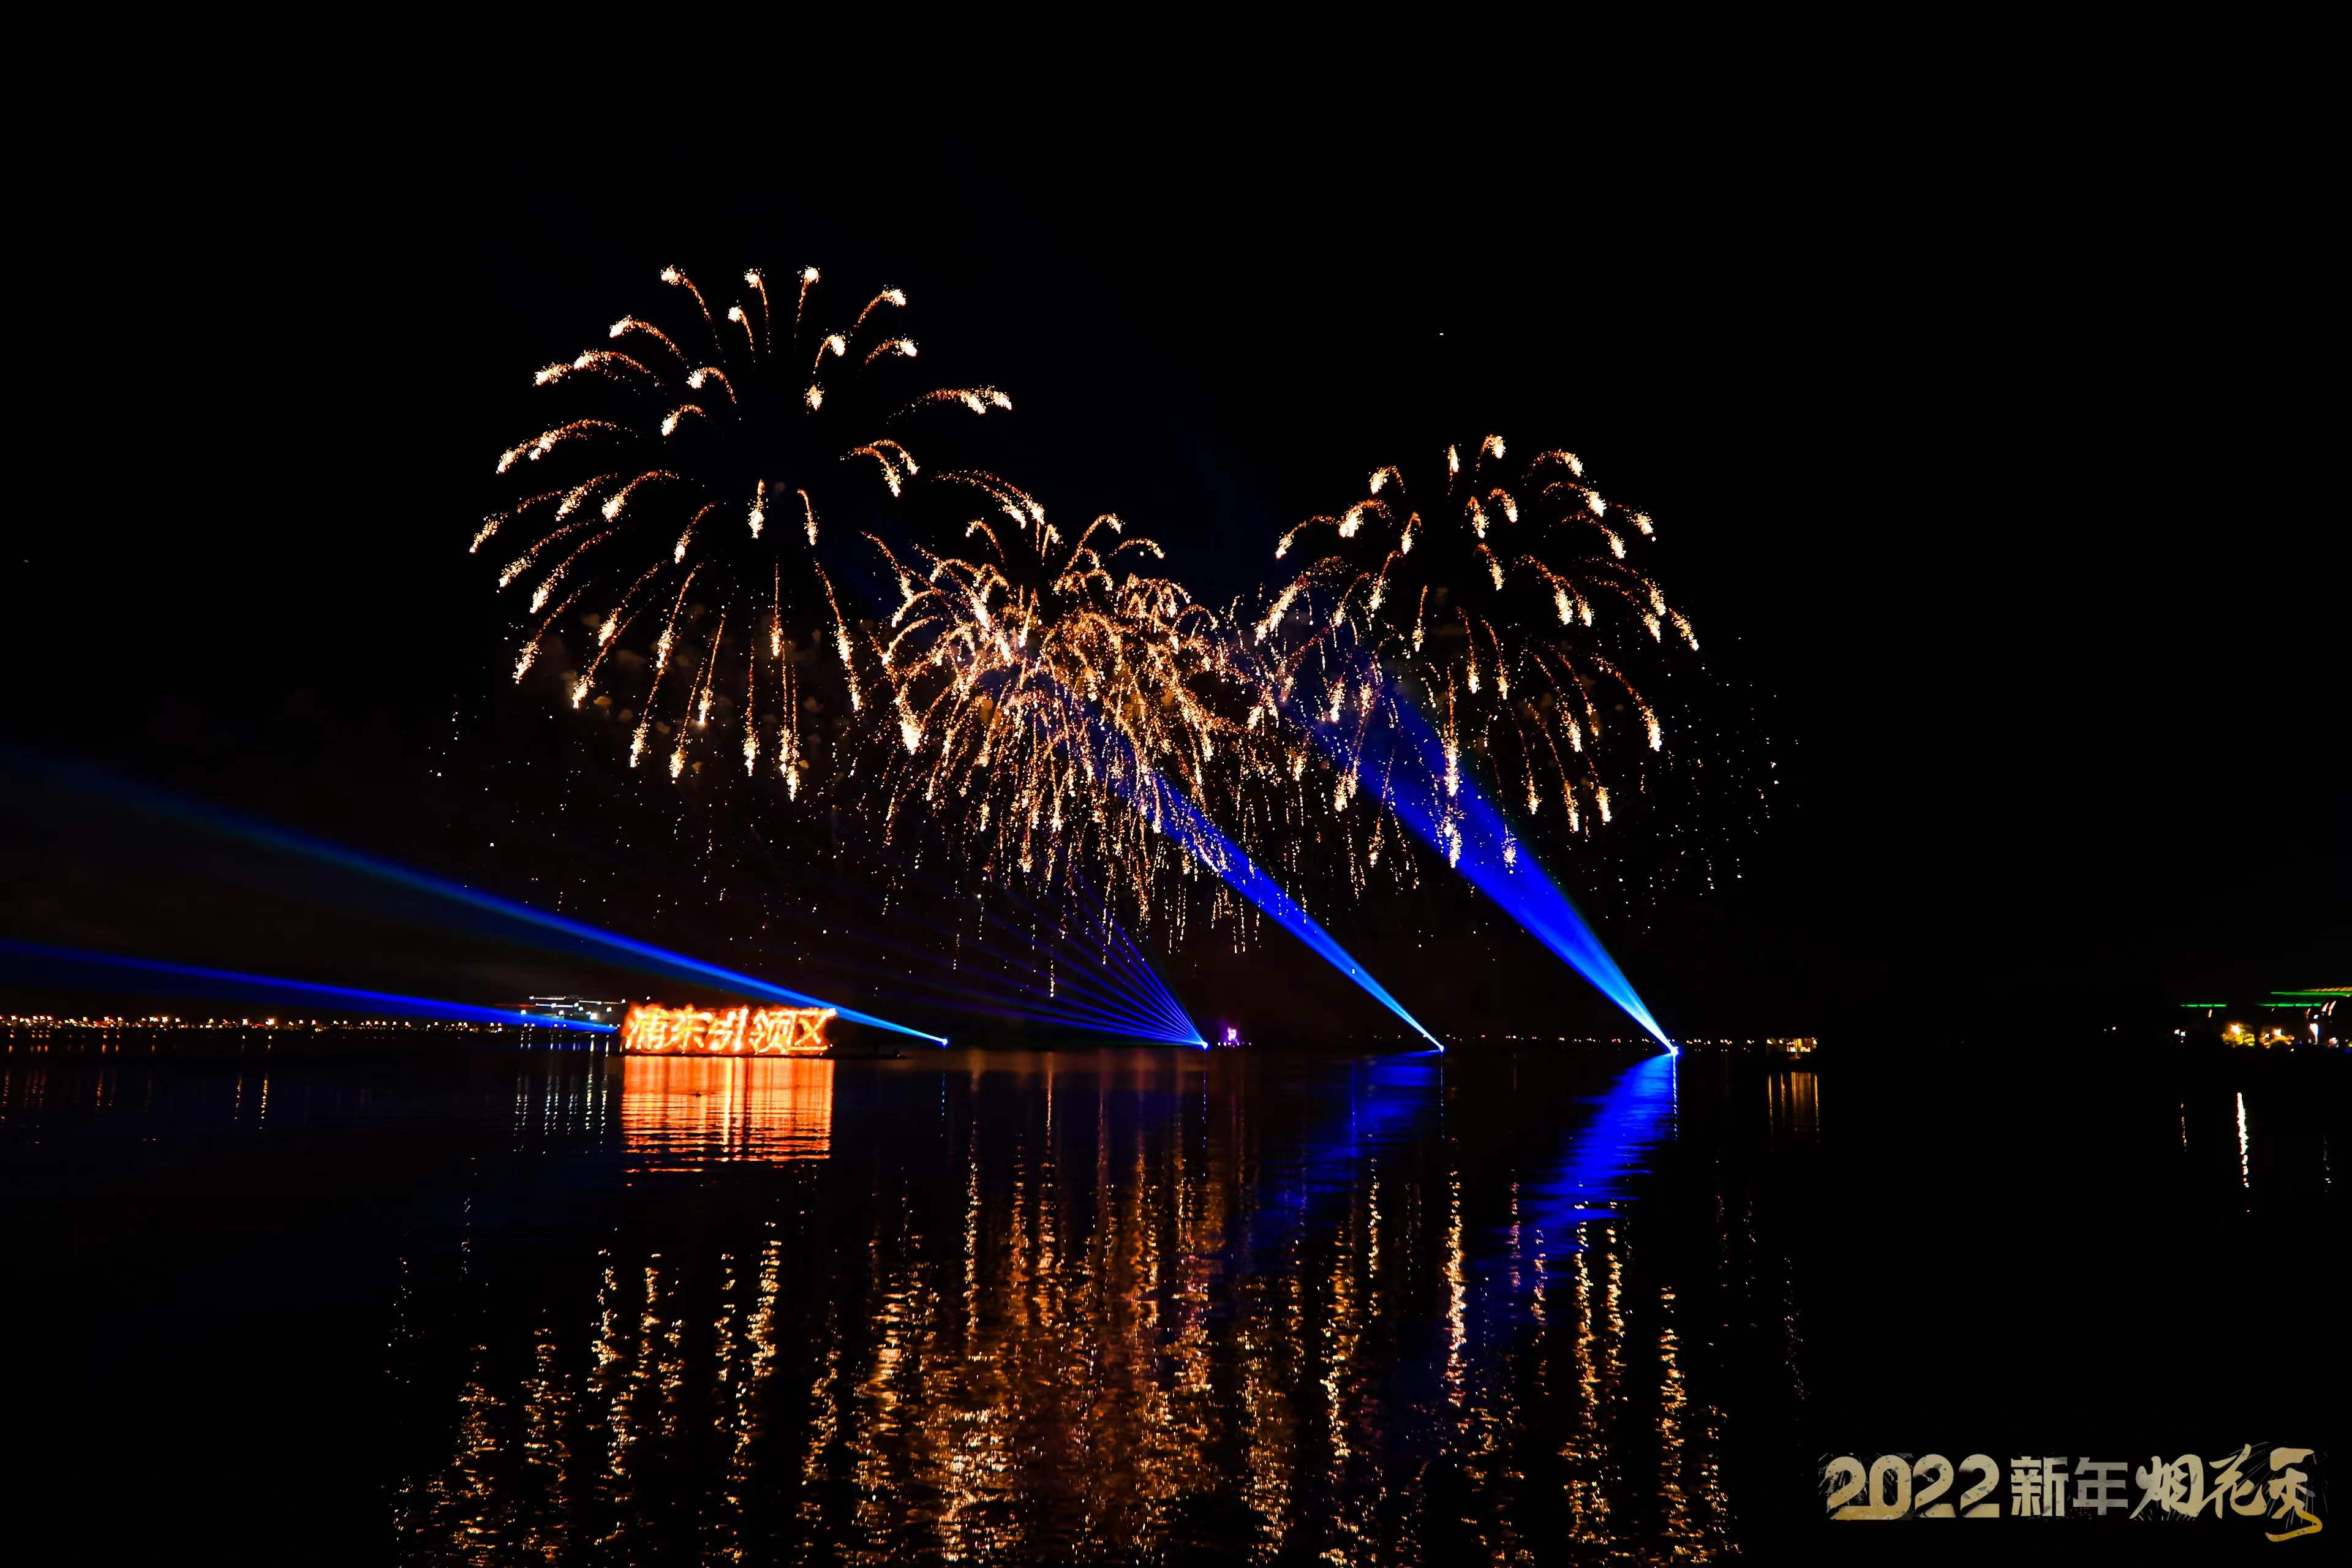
x,y
1989,469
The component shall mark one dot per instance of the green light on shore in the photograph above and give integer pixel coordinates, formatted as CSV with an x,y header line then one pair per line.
x,y
2204,1003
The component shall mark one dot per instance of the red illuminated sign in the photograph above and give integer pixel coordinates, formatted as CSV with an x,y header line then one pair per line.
x,y
734,1032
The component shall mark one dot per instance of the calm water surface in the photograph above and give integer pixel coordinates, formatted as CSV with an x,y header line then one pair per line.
x,y
1138,1305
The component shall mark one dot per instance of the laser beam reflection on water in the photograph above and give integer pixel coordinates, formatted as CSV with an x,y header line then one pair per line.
x,y
1574,1209
77,968
513,918
1591,1182
1255,1261
1401,1102
1603,1155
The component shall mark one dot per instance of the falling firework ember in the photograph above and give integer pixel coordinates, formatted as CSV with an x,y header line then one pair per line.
x,y
1503,601
675,514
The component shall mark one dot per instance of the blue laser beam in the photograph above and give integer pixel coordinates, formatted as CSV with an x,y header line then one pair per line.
x,y
57,964
1123,952
1125,961
1080,971
1128,981
1047,969
1203,839
1197,834
1523,890
579,937
1102,986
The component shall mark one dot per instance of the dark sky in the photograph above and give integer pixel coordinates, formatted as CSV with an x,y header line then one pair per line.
x,y
1990,461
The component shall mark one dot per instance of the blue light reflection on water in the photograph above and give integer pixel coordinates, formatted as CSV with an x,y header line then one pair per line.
x,y
1232,1305
1600,1157
1383,1101
1178,1306
1401,1099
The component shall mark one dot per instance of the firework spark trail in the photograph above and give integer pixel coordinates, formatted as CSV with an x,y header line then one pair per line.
x,y
1189,829
1466,621
685,442
1096,708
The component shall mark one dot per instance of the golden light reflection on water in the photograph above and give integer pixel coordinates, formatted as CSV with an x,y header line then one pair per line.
x,y
1117,1307
1794,1103
681,1111
1053,1312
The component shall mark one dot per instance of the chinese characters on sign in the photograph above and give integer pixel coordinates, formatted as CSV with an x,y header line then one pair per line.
x,y
2274,1486
733,1031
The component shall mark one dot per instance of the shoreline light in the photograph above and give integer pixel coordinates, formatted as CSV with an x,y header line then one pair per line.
x,y
199,980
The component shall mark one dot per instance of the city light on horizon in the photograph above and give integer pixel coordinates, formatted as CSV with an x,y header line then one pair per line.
x,y
58,965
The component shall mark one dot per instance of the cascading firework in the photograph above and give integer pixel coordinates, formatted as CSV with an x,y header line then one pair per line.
x,y
1050,701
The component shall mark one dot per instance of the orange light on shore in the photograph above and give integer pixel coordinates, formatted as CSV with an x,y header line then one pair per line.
x,y
731,1032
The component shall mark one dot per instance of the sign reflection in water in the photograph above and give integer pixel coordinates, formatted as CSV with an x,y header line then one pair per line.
x,y
1115,1304
684,1110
